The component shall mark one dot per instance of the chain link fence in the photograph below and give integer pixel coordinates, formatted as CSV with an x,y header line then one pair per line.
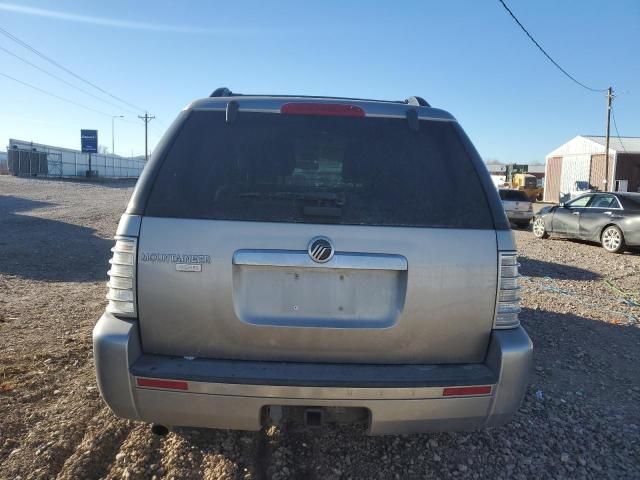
x,y
56,162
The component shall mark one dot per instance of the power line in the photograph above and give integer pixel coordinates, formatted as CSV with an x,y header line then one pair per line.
x,y
54,95
613,114
53,62
546,54
59,78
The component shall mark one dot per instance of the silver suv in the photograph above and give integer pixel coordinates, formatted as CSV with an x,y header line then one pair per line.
x,y
343,258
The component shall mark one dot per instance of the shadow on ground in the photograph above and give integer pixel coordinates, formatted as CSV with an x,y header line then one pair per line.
x,y
578,353
538,268
99,181
50,250
628,251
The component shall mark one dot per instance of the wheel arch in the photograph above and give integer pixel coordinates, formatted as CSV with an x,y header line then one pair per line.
x,y
547,218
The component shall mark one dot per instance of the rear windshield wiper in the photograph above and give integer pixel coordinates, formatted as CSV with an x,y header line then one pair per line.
x,y
319,197
321,204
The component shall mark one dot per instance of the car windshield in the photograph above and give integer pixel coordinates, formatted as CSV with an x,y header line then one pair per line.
x,y
580,201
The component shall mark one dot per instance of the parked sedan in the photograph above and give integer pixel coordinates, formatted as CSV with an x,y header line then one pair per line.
x,y
611,219
518,207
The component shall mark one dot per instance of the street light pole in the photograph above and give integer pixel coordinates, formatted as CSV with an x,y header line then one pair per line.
x,y
113,147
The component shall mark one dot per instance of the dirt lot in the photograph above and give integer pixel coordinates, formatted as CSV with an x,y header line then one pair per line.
x,y
580,417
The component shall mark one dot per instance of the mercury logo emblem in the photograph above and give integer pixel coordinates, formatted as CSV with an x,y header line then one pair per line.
x,y
320,249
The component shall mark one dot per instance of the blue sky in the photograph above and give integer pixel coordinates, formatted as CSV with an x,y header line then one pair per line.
x,y
465,56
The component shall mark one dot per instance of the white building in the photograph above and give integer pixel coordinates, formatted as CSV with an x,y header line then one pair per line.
x,y
582,159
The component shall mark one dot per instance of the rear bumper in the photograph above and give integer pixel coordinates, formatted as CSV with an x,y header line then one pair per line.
x,y
232,394
519,216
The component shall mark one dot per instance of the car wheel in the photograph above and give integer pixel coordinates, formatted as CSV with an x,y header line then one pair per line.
x,y
612,239
539,229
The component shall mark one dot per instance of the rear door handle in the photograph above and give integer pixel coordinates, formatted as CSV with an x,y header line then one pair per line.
x,y
576,213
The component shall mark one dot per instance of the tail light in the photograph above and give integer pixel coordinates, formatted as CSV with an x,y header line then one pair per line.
x,y
508,304
322,109
122,278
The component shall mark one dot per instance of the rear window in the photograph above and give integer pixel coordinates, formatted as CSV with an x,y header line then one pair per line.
x,y
313,169
514,196
630,202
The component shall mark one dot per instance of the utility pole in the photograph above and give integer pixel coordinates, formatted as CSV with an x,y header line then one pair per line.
x,y
147,118
606,148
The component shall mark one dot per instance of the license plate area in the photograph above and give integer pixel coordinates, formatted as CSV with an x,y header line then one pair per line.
x,y
289,296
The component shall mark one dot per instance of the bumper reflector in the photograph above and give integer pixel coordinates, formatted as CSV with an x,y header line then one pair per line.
x,y
157,383
462,391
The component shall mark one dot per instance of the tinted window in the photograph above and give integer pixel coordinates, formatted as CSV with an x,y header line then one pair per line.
x,y
290,168
514,196
604,201
630,202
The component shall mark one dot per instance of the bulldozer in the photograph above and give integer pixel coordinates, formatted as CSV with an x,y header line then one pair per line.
x,y
528,183
517,178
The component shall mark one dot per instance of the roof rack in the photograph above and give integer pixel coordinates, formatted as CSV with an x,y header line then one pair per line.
x,y
414,100
419,101
222,92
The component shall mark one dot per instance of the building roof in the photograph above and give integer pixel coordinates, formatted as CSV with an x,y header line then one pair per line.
x,y
619,144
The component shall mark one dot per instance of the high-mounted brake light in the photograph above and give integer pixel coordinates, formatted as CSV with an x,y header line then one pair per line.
x,y
508,302
122,278
322,109
464,391
158,383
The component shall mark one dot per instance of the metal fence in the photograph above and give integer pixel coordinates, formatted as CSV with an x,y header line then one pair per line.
x,y
65,163
27,162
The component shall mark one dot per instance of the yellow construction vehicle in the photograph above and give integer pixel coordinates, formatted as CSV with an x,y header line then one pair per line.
x,y
517,178
528,183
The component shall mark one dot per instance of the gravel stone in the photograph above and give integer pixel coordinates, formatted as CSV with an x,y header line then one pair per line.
x,y
579,417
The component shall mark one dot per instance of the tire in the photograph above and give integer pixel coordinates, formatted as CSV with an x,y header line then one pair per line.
x,y
612,239
539,229
522,224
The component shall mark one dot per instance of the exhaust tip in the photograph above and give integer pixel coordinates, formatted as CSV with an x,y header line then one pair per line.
x,y
159,430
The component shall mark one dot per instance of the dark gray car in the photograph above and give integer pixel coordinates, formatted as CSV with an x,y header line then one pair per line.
x,y
611,219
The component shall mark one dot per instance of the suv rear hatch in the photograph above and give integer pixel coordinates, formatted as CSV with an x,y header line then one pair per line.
x,y
224,269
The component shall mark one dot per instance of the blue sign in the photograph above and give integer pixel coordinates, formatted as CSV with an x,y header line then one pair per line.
x,y
89,141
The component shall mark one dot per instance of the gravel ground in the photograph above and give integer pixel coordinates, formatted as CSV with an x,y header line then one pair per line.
x,y
580,417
